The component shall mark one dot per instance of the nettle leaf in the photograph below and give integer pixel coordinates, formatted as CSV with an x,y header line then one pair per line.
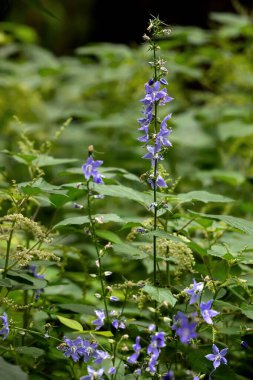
x,y
247,310
166,235
30,351
25,281
238,223
77,220
43,160
203,196
129,251
71,323
6,283
108,235
80,220
125,192
160,294
9,371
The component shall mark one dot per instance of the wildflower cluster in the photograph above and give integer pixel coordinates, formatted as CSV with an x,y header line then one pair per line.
x,y
83,349
5,330
155,132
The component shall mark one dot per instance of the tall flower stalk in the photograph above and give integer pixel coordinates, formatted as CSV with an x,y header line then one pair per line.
x,y
155,131
91,173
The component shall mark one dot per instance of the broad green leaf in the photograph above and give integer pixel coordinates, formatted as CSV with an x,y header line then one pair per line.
x,y
76,220
129,251
108,235
203,196
247,310
5,283
166,235
71,323
120,191
9,371
160,294
35,352
238,223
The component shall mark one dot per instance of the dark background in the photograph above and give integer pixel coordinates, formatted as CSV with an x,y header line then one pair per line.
x,y
63,25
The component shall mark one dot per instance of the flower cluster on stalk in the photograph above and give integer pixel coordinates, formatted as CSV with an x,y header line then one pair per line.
x,y
5,330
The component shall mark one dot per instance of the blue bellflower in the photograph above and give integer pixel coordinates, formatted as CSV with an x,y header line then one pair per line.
x,y
5,326
218,357
90,170
99,322
93,374
184,327
195,291
206,311
137,349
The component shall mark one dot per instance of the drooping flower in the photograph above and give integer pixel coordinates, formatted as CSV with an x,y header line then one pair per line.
x,y
93,374
206,311
118,324
99,322
111,371
195,291
218,357
159,182
90,170
169,376
5,326
33,269
154,349
137,349
184,328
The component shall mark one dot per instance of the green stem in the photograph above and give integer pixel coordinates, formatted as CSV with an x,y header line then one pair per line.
x,y
93,231
8,250
155,175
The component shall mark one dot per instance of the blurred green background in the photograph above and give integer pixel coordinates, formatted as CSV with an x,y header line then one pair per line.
x,y
54,67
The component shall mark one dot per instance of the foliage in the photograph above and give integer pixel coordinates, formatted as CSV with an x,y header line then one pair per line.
x,y
71,248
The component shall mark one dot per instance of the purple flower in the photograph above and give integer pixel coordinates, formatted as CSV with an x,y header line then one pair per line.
x,y
33,269
92,374
90,170
169,376
72,348
157,342
117,324
159,182
111,371
153,154
206,311
137,348
5,329
218,356
100,355
99,322
184,327
114,299
195,291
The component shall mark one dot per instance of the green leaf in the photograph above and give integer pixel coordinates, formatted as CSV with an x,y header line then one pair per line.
x,y
238,223
5,283
203,196
129,251
9,371
109,236
71,323
76,220
160,294
247,310
30,351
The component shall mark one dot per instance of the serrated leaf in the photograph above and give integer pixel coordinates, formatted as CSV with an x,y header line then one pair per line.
x,y
238,223
203,196
76,220
160,294
71,323
129,251
35,352
109,236
247,310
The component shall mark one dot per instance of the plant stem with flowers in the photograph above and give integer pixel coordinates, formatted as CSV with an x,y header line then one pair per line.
x,y
156,141
90,170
